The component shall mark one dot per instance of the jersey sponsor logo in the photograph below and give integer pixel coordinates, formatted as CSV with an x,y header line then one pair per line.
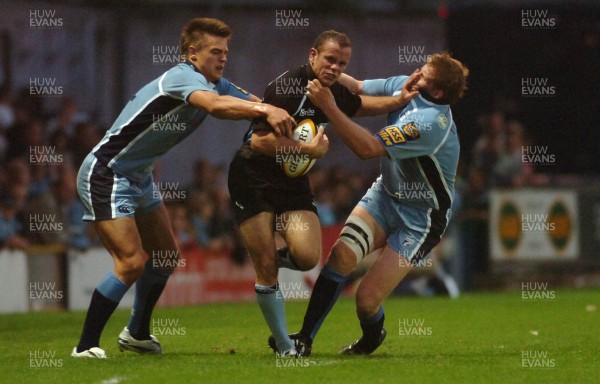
x,y
442,121
394,135
307,112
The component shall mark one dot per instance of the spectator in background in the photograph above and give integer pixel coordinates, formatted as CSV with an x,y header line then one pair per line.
x,y
60,211
12,200
60,145
210,212
473,218
202,208
67,118
213,223
182,228
40,179
7,118
319,181
7,114
23,136
84,139
510,170
489,145
18,173
206,176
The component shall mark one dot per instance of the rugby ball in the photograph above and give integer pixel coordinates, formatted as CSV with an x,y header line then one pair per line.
x,y
295,164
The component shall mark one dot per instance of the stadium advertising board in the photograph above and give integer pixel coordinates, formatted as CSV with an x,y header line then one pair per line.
x,y
534,224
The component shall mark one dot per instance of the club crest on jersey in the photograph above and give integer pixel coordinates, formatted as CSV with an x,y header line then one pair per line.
x,y
442,121
411,131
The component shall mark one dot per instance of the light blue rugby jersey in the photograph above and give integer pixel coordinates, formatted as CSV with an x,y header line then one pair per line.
x,y
156,118
422,146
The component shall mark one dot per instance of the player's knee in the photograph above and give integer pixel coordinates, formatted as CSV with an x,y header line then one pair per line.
x,y
131,268
355,242
305,260
342,259
305,265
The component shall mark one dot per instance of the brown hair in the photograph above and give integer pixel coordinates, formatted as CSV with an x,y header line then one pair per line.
x,y
193,33
450,77
335,36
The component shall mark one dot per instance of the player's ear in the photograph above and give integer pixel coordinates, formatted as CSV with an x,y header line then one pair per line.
x,y
436,93
191,53
312,55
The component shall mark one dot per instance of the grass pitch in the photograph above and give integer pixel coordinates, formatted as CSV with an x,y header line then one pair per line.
x,y
478,338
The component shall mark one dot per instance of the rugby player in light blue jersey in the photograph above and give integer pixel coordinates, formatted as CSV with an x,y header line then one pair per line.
x,y
116,186
405,212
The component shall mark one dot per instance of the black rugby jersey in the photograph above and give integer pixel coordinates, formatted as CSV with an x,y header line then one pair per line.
x,y
288,91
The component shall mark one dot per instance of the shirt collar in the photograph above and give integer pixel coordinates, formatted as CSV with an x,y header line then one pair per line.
x,y
428,98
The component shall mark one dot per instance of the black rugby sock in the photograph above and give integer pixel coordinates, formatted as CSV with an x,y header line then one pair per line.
x,y
372,330
143,333
327,289
97,316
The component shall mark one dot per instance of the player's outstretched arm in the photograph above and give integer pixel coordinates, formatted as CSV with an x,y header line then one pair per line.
x,y
270,144
353,85
229,107
362,142
380,105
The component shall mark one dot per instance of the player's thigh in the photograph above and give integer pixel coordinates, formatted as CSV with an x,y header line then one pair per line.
x,y
360,236
379,282
258,236
302,233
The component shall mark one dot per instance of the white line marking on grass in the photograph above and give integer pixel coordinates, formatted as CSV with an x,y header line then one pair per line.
x,y
113,380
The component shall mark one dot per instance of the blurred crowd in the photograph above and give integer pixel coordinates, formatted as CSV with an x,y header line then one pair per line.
x,y
496,161
40,154
39,159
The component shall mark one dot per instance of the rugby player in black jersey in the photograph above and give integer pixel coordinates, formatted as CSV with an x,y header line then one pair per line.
x,y
266,200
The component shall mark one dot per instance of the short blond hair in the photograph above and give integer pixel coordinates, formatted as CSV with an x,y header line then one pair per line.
x,y
195,31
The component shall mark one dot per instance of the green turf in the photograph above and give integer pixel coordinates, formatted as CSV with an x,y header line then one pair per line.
x,y
478,338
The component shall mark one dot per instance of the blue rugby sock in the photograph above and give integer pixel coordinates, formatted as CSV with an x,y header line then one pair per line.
x,y
325,293
105,299
271,304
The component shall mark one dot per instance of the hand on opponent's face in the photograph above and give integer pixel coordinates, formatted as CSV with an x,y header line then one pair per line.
x,y
410,88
